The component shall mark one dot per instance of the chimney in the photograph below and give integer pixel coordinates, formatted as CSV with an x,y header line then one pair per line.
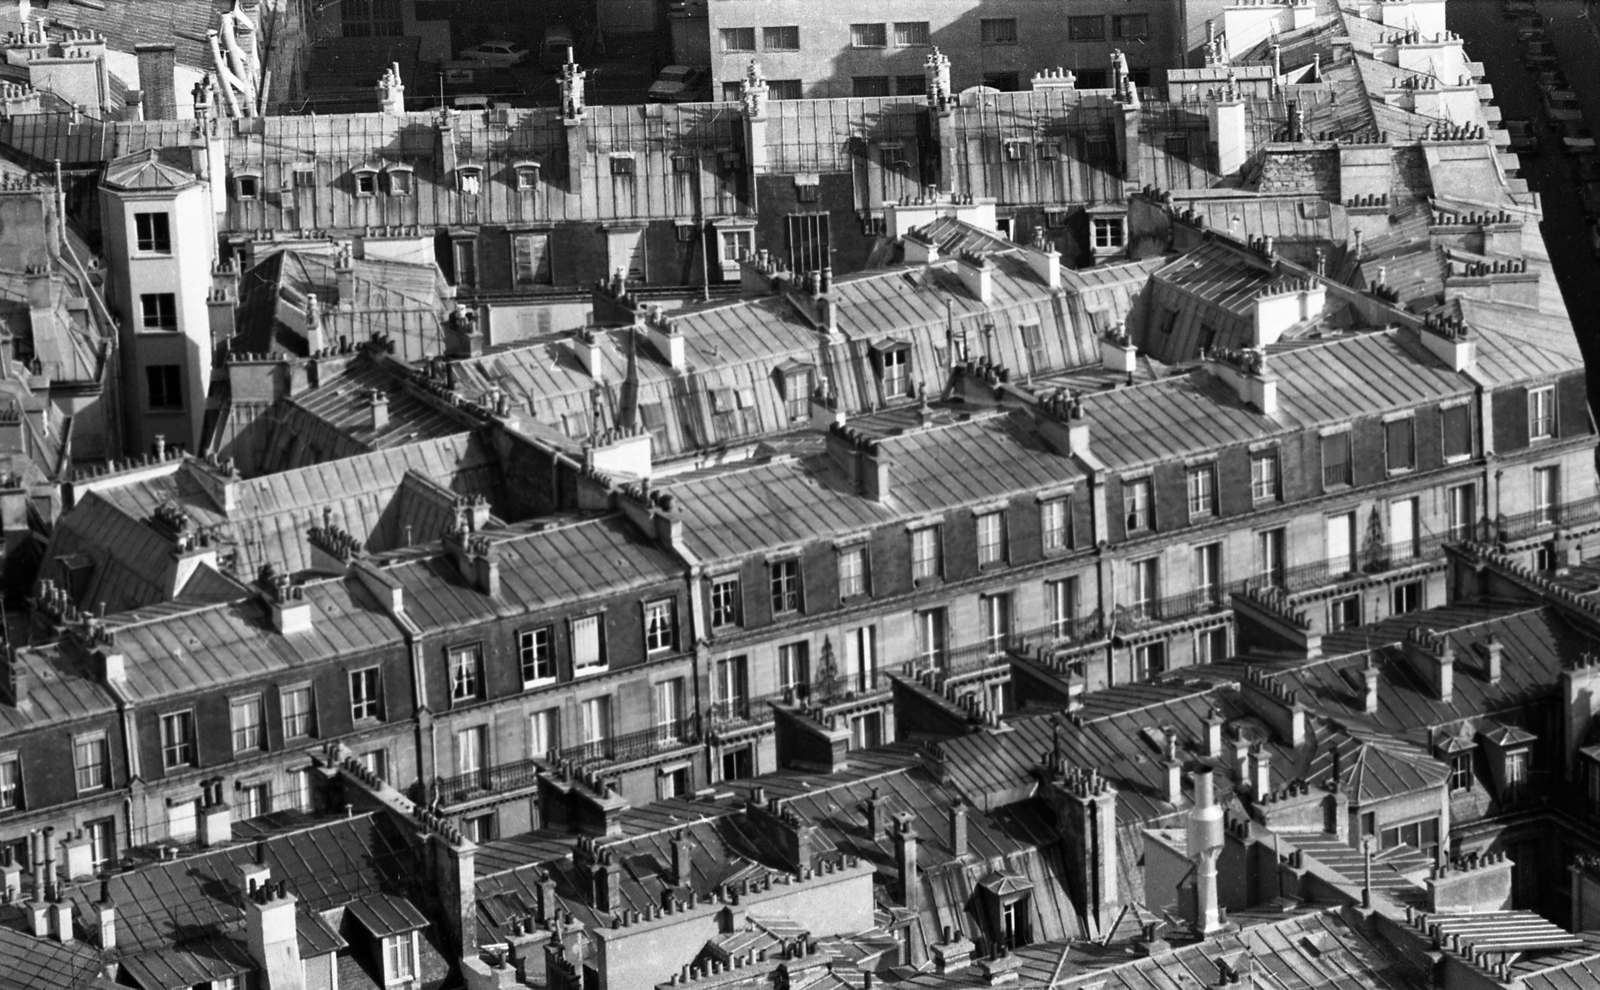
x,y
391,91
1117,352
291,613
106,931
1492,650
158,67
905,859
1449,339
666,339
585,346
873,807
344,275
1241,757
1246,371
52,876
1204,846
1045,260
1213,722
1173,767
921,249
1369,679
1433,659
953,952
1126,120
216,818
462,335
1001,968
753,96
61,920
682,860
1260,771
977,274
379,400
316,337
958,828
271,937
606,876
1229,134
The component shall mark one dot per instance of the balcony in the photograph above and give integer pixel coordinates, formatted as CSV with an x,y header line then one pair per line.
x,y
845,687
1368,562
1142,615
744,713
1523,525
500,779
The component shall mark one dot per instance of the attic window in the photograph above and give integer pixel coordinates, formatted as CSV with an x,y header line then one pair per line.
x,y
685,232
246,185
305,174
729,160
366,182
1177,145
469,180
1016,151
682,163
1049,149
1055,219
622,164
527,176
401,181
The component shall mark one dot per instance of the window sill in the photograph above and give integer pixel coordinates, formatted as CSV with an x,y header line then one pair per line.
x,y
538,683
590,670
927,582
1400,472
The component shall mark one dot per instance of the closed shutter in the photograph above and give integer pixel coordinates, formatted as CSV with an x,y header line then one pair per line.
x,y
1428,444
1341,543
1399,444
1116,521
586,641
1572,412
1457,430
1081,506
1510,420
1336,460
1366,452
531,256
1233,482
1171,496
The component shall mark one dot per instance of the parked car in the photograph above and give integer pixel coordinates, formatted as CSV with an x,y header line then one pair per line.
x,y
679,84
1517,8
496,51
1539,54
1562,105
1589,192
556,46
1577,139
1529,28
1523,139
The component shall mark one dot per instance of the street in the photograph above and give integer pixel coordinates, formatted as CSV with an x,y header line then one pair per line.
x,y
1491,39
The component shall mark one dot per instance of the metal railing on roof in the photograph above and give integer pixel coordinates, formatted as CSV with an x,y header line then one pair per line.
x,y
1521,525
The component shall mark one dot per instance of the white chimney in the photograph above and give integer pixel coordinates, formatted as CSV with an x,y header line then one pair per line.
x,y
977,274
585,345
1045,261
1204,847
1260,771
1229,134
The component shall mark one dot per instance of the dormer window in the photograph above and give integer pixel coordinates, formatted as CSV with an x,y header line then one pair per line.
x,y
469,180
246,185
366,182
622,163
527,176
1016,151
400,958
305,174
393,922
401,180
894,368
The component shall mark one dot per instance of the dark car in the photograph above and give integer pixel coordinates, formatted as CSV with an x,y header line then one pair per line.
x,y
1523,140
1539,54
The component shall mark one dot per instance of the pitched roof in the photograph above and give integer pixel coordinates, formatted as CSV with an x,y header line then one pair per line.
x,y
147,170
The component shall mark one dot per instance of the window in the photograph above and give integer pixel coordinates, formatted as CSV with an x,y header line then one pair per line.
x,y
911,34
399,954
1005,82
731,689
1061,598
808,237
925,562
1344,613
402,183
1053,523
246,186
996,613
536,651
177,740
1146,587
852,571
786,586
1270,557
1130,25
466,663
1211,646
1264,476
1014,923
1136,504
247,717
164,385
1516,775
787,89
1208,571
794,667
1399,444
530,254
544,733
781,39
159,311
991,538
896,372
152,232
736,244
731,90
797,394
1403,531
1176,145
1463,511
1089,28
738,763
471,744
596,725
724,601
480,828
300,791
252,801
1457,426
1542,413
588,645
625,249
1149,661
998,30
870,86
1341,544
102,842
366,689
1108,233
465,252
91,757
298,711
1336,459
376,762
1422,836
930,628
741,39
916,85
660,625
868,36
1406,598
861,657
371,19
1202,491
1461,772
1546,494
366,182
866,731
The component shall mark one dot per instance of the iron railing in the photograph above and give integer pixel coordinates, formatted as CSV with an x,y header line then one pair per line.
x,y
518,774
1521,525
738,713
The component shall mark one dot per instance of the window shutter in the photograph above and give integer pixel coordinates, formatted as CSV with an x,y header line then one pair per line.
x,y
1336,459
1367,452
586,641
1399,444
1116,520
1457,430
1233,482
1171,495
1572,407
1510,419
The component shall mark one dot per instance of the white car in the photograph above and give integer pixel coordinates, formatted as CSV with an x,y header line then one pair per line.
x,y
678,84
496,53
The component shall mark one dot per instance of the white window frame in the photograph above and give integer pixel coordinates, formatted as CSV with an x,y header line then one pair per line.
x,y
366,704
660,625
248,737
466,672
991,532
852,571
583,664
926,553
1201,480
1542,412
178,753
294,719
536,652
1054,521
94,776
1264,476
725,601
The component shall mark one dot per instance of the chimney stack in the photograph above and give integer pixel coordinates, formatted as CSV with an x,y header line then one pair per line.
x,y
1369,679
380,409
1214,733
681,859
1493,649
1260,771
106,934
958,828
977,274
1174,769
272,939
905,858
1204,846
158,67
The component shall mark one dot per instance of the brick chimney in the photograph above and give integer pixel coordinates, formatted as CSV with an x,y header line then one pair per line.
x,y
958,828
106,916
905,860
1214,721
158,67
873,809
682,859
1433,660
1086,808
977,274
1260,771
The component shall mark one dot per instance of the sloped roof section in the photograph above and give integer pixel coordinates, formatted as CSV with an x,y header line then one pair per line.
x,y
147,170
